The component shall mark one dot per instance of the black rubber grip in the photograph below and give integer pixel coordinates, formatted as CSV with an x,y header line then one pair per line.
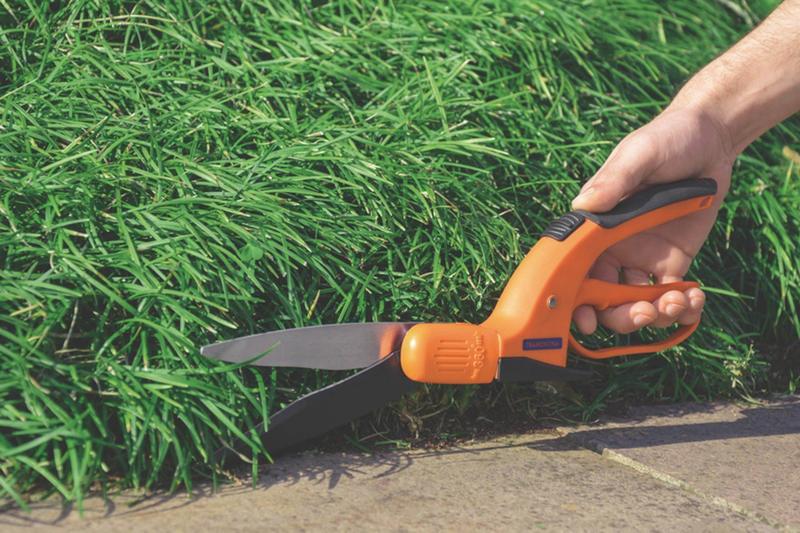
x,y
652,198
562,227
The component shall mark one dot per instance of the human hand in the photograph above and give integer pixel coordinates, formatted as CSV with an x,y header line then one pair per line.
x,y
678,144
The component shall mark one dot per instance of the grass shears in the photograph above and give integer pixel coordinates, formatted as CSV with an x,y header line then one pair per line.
x,y
525,338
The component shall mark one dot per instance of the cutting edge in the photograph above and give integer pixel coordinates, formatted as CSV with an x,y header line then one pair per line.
x,y
326,347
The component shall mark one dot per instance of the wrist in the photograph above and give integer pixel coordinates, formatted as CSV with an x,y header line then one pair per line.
x,y
707,97
701,109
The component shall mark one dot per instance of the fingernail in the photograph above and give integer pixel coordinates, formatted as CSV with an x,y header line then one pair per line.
x,y
674,310
697,302
641,320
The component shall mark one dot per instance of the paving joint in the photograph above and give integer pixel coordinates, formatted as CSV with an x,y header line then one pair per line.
x,y
606,452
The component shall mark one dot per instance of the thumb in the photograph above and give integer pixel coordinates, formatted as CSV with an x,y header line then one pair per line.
x,y
628,166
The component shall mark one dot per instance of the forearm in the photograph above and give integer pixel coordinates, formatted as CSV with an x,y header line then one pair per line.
x,y
754,85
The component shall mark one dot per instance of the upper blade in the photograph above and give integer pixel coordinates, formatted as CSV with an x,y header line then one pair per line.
x,y
329,347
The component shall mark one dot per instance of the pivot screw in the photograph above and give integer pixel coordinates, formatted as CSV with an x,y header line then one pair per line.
x,y
552,302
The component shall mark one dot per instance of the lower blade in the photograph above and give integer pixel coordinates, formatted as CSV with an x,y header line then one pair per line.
x,y
335,405
330,347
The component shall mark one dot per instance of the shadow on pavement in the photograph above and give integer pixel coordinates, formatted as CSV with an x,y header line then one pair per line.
x,y
782,418
291,470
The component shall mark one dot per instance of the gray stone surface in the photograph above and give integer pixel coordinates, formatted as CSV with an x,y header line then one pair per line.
x,y
695,467
744,455
518,483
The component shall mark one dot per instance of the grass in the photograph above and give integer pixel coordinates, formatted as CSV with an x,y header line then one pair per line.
x,y
173,173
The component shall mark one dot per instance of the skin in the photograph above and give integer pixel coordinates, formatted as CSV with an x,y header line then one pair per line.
x,y
716,115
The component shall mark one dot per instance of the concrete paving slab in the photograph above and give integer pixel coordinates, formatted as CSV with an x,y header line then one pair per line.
x,y
743,456
516,483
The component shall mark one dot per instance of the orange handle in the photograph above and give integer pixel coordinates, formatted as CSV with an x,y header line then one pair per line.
x,y
677,337
529,326
601,295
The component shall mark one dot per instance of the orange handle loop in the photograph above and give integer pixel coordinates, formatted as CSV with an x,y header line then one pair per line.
x,y
602,295
677,337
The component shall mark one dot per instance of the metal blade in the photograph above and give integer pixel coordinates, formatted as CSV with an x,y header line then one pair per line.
x,y
337,404
330,347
